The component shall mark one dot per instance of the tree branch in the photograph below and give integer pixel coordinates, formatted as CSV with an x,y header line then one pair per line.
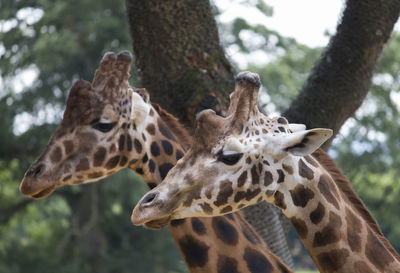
x,y
341,78
7,213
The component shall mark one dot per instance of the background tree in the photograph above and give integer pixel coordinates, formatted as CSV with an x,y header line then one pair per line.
x,y
57,233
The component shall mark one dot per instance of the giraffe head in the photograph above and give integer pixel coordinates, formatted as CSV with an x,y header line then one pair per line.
x,y
92,141
234,161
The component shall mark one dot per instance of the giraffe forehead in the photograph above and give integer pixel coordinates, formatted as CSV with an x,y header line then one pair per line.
x,y
110,112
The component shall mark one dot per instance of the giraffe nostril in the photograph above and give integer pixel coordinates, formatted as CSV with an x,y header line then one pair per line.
x,y
149,198
35,171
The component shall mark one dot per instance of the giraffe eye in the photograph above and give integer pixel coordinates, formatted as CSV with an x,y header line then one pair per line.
x,y
230,159
104,127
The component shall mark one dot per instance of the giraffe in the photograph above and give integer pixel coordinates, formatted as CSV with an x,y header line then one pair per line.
x,y
108,126
248,158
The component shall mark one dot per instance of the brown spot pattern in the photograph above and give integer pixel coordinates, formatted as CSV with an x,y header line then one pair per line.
x,y
225,231
121,142
151,129
99,156
195,251
317,215
300,227
112,162
256,261
305,171
255,178
330,233
226,209
279,200
192,195
268,178
198,226
301,195
328,190
226,264
128,143
354,226
206,208
287,168
225,191
137,145
56,155
242,179
82,165
376,252
281,176
333,260
68,146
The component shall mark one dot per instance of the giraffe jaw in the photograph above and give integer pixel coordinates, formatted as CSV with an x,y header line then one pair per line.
x,y
43,193
158,223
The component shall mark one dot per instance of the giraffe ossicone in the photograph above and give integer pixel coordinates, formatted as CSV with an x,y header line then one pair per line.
x,y
247,158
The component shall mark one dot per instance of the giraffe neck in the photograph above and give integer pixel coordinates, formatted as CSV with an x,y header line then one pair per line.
x,y
159,147
334,225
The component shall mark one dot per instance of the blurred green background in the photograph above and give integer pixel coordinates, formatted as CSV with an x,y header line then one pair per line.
x,y
46,45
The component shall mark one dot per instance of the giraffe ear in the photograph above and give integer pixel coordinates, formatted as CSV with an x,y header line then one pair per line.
x,y
303,143
140,109
296,127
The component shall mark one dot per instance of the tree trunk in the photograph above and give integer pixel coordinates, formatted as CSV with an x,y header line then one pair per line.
x,y
340,79
86,232
178,55
180,61
273,234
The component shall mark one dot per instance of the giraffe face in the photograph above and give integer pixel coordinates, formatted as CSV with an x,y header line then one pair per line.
x,y
92,141
234,162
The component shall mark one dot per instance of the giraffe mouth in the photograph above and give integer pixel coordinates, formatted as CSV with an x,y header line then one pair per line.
x,y
43,193
158,223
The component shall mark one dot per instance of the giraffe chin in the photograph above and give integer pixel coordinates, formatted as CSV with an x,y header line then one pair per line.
x,y
44,192
159,223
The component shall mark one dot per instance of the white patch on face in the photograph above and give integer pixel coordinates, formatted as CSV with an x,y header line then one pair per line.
x,y
139,109
272,144
233,146
106,121
109,114
296,127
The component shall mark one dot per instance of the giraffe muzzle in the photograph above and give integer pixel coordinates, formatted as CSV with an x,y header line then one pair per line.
x,y
33,186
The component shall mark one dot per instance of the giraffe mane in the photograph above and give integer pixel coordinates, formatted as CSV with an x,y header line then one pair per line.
x,y
173,123
345,186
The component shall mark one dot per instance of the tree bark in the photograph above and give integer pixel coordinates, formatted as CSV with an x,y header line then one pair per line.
x,y
340,79
178,55
86,233
180,61
265,218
